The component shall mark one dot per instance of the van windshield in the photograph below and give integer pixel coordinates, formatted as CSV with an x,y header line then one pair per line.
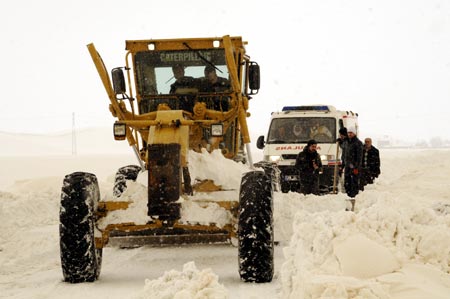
x,y
302,129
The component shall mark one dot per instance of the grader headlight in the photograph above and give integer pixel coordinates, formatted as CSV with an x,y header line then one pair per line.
x,y
217,130
120,131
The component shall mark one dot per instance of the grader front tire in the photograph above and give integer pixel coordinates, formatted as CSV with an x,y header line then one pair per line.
x,y
255,232
80,259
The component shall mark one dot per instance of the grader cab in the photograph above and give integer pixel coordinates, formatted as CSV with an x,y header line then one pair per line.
x,y
173,97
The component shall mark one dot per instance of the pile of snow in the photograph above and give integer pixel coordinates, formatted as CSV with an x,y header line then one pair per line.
x,y
214,166
199,208
394,237
187,284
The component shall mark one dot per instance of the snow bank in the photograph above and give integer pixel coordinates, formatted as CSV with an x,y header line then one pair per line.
x,y
190,283
353,252
214,166
377,251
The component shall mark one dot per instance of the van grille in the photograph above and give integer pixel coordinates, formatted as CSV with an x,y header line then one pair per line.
x,y
289,157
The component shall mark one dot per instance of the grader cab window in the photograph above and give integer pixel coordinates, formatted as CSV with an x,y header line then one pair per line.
x,y
163,72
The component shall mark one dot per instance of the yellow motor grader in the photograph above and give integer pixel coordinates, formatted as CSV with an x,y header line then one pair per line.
x,y
173,97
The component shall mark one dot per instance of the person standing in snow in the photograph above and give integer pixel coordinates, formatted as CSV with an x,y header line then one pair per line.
x,y
370,163
309,166
352,162
342,141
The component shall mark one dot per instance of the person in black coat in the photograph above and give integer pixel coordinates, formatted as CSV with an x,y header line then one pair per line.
x,y
309,166
342,141
353,162
370,163
217,84
181,81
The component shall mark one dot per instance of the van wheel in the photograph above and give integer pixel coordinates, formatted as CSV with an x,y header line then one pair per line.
x,y
80,259
285,187
255,228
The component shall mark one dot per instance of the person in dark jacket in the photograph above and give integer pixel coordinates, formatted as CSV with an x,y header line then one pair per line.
x,y
217,84
370,163
309,166
342,141
353,162
181,81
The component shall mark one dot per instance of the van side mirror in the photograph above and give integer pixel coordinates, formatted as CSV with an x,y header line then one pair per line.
x,y
260,142
118,80
253,77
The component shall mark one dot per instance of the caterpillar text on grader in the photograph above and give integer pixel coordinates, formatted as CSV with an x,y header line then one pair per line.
x,y
178,107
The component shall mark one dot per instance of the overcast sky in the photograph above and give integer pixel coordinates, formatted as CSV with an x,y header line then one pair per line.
x,y
388,60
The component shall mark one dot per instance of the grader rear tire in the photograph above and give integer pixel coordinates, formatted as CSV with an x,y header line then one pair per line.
x,y
80,260
255,228
129,172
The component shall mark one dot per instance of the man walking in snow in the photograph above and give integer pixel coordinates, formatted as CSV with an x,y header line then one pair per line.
x,y
309,166
353,160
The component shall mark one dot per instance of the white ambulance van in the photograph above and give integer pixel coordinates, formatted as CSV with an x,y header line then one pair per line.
x,y
289,132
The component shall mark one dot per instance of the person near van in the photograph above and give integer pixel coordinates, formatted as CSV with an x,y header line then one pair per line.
x,y
309,166
342,142
370,163
320,131
352,162
281,133
299,133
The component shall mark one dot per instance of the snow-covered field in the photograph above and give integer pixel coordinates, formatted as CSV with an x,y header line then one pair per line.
x,y
395,245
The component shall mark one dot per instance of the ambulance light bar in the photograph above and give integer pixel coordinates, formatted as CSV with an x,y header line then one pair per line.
x,y
306,108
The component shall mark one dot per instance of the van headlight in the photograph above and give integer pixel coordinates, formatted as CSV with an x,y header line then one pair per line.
x,y
273,159
326,157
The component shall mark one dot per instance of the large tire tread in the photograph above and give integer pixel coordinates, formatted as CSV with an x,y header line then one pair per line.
x,y
255,229
80,260
129,172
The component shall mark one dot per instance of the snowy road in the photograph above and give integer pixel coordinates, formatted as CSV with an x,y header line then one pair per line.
x,y
30,257
404,218
124,271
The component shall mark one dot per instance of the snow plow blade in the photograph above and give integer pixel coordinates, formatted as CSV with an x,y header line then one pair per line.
x,y
162,233
128,236
167,237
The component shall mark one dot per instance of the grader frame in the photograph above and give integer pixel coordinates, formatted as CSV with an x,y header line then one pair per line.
x,y
162,132
164,122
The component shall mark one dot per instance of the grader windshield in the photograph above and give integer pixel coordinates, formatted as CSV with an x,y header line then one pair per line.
x,y
156,70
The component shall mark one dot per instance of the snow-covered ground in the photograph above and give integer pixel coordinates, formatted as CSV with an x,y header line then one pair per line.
x,y
395,245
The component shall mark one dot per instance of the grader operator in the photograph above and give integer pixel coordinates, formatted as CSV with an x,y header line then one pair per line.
x,y
189,95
